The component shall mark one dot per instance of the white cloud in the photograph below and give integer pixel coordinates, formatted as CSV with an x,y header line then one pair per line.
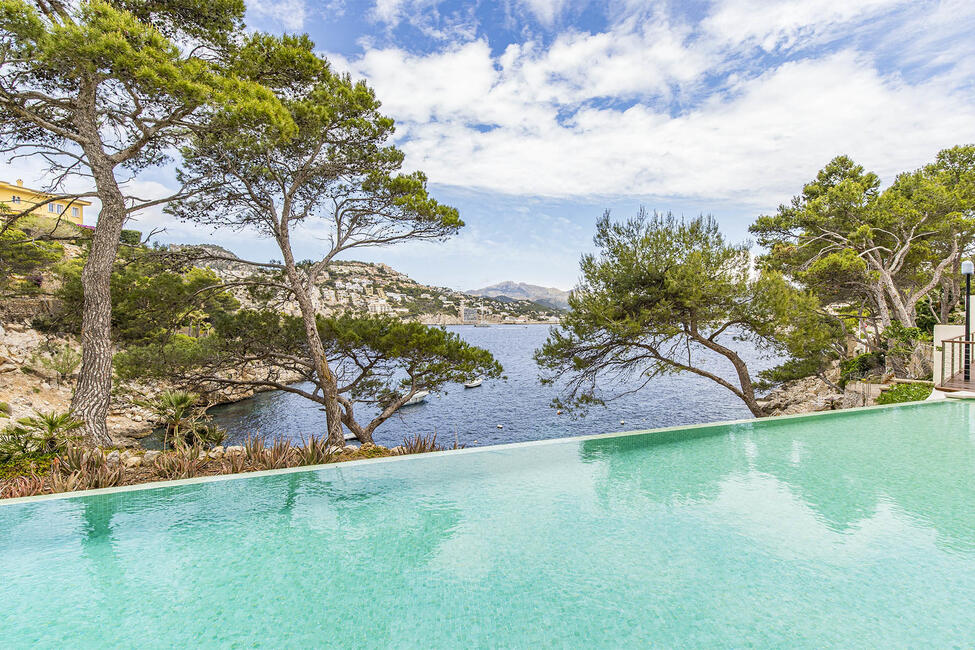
x,y
630,112
290,14
546,11
772,24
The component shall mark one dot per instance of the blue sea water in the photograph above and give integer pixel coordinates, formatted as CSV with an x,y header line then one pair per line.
x,y
520,404
849,529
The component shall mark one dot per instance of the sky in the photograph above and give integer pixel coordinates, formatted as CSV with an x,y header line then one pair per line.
x,y
533,117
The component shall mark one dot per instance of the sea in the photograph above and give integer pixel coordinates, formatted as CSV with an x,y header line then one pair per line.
x,y
517,408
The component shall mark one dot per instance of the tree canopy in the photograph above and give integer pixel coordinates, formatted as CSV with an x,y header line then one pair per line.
x,y
852,243
103,90
336,175
376,361
663,294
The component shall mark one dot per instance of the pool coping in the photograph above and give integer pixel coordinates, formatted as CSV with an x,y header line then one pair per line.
x,y
487,448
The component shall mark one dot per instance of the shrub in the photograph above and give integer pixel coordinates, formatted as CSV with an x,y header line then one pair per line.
x,y
186,423
420,444
860,366
43,434
131,237
905,393
62,361
5,410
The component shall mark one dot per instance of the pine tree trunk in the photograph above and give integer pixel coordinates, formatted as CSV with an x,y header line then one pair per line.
x,y
326,380
92,396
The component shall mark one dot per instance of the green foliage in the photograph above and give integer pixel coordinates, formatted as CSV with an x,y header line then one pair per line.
x,y
663,293
337,167
22,259
62,360
905,393
850,242
187,424
131,237
5,410
26,466
153,296
860,366
376,360
39,435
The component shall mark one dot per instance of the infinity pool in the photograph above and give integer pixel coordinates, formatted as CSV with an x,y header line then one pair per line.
x,y
848,529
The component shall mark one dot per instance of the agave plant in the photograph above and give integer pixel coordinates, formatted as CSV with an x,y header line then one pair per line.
x,y
314,451
185,462
23,486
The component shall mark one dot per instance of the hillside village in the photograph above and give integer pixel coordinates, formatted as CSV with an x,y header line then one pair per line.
x,y
367,288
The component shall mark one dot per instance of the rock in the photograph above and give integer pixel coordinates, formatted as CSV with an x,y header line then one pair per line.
x,y
398,450
151,456
45,385
234,450
137,418
133,461
216,455
218,449
367,445
113,458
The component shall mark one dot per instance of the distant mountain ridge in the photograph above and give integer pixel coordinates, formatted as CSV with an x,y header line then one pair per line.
x,y
548,296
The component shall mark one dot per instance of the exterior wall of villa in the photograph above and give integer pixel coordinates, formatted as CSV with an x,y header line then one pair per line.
x,y
17,197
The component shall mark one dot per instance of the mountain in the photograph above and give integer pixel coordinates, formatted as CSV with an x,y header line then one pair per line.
x,y
547,296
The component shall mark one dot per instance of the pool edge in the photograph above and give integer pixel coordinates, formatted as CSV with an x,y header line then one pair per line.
x,y
488,448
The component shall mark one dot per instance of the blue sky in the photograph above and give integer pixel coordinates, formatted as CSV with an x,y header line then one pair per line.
x,y
534,116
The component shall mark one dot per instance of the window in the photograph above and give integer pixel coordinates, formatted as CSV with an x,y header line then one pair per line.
x,y
50,207
75,212
60,208
15,199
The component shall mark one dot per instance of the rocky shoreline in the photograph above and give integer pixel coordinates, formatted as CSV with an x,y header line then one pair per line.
x,y
812,394
27,388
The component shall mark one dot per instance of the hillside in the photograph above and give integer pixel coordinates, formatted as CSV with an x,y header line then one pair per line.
x,y
362,287
545,296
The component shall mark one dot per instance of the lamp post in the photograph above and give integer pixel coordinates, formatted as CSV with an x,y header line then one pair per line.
x,y
967,268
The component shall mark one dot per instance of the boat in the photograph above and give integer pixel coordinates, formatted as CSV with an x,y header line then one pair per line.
x,y
474,383
481,325
419,398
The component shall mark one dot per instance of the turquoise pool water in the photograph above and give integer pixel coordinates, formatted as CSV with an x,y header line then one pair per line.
x,y
852,529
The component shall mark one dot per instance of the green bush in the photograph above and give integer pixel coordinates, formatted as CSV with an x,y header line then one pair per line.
x,y
186,423
5,410
131,237
62,361
40,435
905,393
860,366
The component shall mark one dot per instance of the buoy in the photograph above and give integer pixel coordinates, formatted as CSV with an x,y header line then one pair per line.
x,y
500,426
558,412
622,422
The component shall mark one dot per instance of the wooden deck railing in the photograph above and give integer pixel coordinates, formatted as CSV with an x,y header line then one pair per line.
x,y
953,362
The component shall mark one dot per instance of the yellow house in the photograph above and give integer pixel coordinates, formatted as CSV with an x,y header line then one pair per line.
x,y
18,198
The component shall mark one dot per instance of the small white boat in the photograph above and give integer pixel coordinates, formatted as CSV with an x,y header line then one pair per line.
x,y
419,398
474,383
